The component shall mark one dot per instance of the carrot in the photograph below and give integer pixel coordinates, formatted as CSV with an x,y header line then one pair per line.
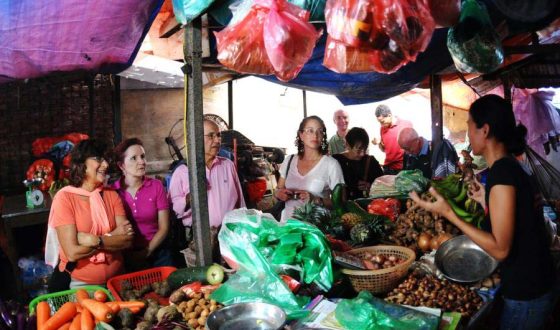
x,y
114,307
65,314
100,311
43,314
79,308
81,294
87,322
135,310
76,322
65,326
100,295
128,304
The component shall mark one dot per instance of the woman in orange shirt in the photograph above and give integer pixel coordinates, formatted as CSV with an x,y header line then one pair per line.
x,y
87,223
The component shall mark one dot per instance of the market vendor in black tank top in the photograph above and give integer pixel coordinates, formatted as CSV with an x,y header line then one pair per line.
x,y
514,231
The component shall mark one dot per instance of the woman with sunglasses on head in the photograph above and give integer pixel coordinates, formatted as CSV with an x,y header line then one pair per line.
x,y
311,174
146,206
359,168
87,224
514,231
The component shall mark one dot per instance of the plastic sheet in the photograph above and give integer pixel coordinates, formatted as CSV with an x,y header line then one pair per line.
x,y
260,249
366,312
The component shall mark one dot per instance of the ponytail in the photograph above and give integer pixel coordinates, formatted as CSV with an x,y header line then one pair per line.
x,y
516,144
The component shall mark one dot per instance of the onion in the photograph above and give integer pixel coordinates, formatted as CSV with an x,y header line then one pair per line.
x,y
424,241
434,243
443,237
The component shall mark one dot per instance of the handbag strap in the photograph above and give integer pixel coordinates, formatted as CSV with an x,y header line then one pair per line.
x,y
288,169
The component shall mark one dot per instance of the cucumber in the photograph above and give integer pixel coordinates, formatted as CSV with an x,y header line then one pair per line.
x,y
338,199
188,275
213,274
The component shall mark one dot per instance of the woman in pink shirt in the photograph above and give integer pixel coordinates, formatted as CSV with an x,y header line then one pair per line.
x,y
146,206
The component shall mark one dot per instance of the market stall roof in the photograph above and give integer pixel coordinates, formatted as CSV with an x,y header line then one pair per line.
x,y
111,34
41,37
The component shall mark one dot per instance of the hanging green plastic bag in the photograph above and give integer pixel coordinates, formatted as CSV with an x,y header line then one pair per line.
x,y
473,43
187,10
260,248
366,312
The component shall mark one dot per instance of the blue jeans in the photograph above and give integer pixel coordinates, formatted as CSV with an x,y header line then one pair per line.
x,y
161,257
527,314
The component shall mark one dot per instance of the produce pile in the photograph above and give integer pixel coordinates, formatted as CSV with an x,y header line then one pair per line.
x,y
429,291
421,230
380,261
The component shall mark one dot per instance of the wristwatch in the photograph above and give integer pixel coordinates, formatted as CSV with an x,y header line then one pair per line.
x,y
99,243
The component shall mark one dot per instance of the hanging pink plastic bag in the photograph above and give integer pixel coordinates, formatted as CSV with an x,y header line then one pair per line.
x,y
288,38
241,46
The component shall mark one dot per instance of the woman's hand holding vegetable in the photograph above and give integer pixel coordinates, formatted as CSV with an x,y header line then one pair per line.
x,y
477,192
440,206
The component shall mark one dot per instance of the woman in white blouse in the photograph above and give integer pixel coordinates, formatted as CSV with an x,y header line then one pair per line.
x,y
311,174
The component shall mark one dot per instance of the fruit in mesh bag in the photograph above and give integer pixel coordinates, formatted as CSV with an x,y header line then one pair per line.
x,y
349,220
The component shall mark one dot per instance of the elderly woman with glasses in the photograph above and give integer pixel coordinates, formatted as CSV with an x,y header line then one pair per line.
x,y
311,174
87,224
359,168
146,205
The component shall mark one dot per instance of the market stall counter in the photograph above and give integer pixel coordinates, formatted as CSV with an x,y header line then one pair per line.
x,y
15,214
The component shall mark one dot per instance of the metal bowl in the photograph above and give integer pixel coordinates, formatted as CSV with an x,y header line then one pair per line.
x,y
247,316
461,260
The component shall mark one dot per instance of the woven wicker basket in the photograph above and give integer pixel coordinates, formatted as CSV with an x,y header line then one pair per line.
x,y
381,280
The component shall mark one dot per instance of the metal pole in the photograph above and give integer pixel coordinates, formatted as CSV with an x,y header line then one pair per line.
x,y
437,110
230,103
507,88
304,103
195,138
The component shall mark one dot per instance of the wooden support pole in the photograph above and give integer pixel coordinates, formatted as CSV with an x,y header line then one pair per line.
x,y
437,110
230,103
195,141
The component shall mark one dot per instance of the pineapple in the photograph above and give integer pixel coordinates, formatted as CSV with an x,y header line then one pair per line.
x,y
349,220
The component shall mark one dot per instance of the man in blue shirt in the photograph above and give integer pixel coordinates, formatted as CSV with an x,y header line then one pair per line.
x,y
417,151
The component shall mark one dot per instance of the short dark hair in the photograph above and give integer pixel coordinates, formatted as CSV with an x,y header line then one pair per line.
x,y
498,114
120,149
357,135
382,110
81,152
324,143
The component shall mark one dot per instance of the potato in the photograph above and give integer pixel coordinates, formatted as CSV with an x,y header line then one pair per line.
x,y
191,303
213,308
202,320
191,316
197,309
205,312
178,296
202,302
207,296
189,309
193,323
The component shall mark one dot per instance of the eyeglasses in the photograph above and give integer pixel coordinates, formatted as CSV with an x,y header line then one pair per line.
x,y
312,131
212,136
98,159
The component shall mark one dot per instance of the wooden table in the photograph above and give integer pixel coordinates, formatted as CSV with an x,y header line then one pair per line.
x,y
15,214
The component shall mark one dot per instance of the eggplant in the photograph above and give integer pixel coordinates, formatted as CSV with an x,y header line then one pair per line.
x,y
31,322
6,316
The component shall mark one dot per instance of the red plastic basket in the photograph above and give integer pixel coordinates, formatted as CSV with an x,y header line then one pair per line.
x,y
138,279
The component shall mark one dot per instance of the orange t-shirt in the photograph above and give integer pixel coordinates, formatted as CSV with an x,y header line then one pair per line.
x,y
72,209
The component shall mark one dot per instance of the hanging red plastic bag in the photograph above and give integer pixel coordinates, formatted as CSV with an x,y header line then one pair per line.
x,y
445,13
349,21
342,58
401,30
241,46
288,38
